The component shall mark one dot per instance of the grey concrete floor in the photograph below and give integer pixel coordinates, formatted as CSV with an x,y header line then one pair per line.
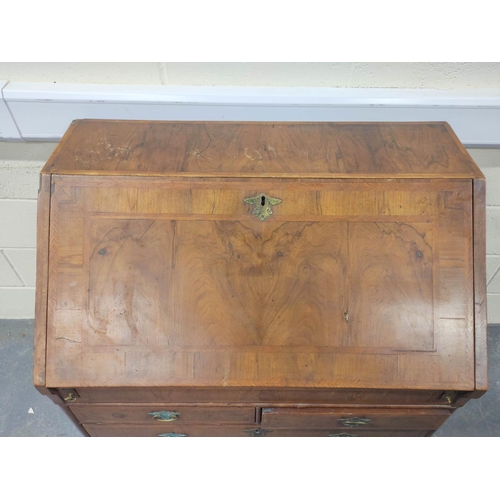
x,y
25,412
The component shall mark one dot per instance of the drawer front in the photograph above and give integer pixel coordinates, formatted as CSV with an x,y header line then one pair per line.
x,y
161,414
353,418
235,431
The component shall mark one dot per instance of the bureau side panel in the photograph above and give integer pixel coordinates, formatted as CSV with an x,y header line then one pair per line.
x,y
42,269
480,313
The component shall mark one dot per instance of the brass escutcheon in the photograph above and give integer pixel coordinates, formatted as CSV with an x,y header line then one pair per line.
x,y
263,205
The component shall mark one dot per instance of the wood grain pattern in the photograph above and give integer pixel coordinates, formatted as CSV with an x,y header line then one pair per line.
x,y
134,414
256,148
200,305
276,396
375,419
391,274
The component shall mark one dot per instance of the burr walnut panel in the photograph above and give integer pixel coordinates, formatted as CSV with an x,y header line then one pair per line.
x,y
286,283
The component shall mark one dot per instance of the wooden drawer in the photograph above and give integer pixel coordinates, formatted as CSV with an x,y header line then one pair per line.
x,y
236,431
162,414
353,418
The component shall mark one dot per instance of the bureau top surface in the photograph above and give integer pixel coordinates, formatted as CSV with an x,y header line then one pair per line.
x,y
229,149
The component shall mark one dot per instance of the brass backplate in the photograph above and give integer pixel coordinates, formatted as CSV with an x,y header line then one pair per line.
x,y
164,416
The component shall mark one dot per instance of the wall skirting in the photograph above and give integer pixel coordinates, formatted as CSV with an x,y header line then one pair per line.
x,y
8,128
42,111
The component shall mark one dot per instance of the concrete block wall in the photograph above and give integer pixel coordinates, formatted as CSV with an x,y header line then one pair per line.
x,y
20,164
489,162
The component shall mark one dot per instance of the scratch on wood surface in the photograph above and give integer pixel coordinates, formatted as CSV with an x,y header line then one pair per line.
x,y
69,340
258,157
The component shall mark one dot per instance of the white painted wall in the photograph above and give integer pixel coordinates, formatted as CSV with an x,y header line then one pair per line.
x,y
21,162
355,75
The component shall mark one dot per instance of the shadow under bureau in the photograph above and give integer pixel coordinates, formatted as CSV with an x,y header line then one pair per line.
x,y
260,279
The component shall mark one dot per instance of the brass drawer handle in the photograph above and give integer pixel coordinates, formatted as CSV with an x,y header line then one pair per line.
x,y
263,205
172,435
354,421
343,435
257,432
449,397
164,416
71,397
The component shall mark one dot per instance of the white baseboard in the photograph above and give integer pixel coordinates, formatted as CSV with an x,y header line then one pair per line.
x,y
42,112
8,129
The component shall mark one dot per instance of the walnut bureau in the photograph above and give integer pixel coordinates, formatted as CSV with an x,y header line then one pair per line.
x,y
260,279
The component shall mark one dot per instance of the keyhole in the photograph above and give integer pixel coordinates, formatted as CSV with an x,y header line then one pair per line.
x,y
262,200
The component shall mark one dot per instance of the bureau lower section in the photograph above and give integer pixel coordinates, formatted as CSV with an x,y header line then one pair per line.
x,y
115,420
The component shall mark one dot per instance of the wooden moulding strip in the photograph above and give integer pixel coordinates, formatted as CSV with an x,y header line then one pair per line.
x,y
263,175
